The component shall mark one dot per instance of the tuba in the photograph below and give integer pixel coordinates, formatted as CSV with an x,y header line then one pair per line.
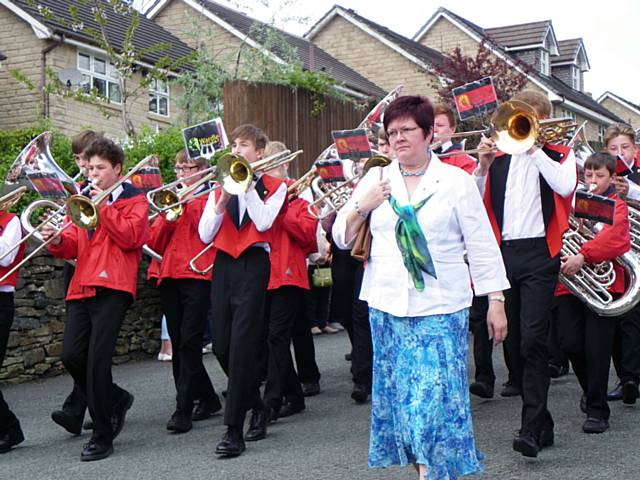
x,y
591,282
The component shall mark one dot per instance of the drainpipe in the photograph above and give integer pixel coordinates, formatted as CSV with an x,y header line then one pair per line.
x,y
43,77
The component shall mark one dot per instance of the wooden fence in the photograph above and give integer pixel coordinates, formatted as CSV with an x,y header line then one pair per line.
x,y
285,115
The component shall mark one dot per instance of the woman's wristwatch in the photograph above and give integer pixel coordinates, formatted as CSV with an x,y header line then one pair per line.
x,y
496,297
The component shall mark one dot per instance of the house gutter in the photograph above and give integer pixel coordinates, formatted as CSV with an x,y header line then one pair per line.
x,y
43,76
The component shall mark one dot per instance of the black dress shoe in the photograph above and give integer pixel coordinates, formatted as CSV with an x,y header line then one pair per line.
x,y
180,422
629,392
120,412
206,409
88,424
526,444
615,394
258,424
557,371
11,437
595,425
290,408
66,420
360,393
583,404
546,439
232,443
96,450
510,390
481,389
310,389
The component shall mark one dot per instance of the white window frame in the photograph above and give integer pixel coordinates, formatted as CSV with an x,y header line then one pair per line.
x,y
544,61
110,76
601,131
564,113
575,77
158,94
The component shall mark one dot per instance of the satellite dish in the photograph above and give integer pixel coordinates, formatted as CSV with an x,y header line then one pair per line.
x,y
70,77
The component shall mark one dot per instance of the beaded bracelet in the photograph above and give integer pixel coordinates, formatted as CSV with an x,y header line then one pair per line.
x,y
360,212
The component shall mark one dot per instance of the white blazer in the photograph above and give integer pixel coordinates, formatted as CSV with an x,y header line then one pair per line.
x,y
453,220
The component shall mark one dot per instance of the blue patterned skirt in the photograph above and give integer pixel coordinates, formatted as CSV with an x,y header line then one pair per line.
x,y
420,409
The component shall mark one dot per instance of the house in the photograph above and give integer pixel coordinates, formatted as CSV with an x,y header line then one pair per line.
x,y
40,36
376,52
628,111
228,33
557,66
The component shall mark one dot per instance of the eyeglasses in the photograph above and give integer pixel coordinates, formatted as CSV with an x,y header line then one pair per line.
x,y
405,131
185,168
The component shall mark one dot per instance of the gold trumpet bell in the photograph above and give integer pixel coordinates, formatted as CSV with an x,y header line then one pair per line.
x,y
515,127
82,212
235,173
165,198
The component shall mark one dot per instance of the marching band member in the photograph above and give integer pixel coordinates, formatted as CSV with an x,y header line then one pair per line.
x,y
240,227
528,198
418,305
444,126
619,140
10,234
185,297
586,336
292,239
71,416
102,289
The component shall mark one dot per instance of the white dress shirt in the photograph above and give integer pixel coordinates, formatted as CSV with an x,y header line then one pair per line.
x,y
262,214
10,237
453,220
522,216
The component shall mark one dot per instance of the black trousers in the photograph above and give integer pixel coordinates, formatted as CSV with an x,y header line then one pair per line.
x,y
587,339
533,275
626,346
239,288
89,341
557,355
482,345
362,348
185,303
284,306
7,418
305,353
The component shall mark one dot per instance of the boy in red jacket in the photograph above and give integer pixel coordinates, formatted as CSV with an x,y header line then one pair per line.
x,y
585,336
185,297
240,227
10,234
102,288
292,240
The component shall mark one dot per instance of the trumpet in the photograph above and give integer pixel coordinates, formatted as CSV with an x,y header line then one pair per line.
x,y
11,199
304,182
515,128
82,212
332,199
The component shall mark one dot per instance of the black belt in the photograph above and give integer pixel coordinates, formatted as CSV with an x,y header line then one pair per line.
x,y
525,242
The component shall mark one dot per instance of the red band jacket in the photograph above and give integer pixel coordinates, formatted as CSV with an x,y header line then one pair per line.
x,y
110,258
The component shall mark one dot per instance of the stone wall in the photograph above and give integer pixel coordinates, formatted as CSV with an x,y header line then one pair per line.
x,y
35,341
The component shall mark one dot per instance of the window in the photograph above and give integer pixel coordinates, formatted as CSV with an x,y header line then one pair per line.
x,y
98,73
159,97
544,62
575,77
601,130
564,113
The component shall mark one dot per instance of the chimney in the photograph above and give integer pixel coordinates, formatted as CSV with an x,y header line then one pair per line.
x,y
312,57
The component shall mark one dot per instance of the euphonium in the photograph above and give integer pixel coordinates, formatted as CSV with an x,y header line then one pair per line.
x,y
591,282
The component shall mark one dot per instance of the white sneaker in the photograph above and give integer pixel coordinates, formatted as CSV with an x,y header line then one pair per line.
x,y
336,325
208,348
164,357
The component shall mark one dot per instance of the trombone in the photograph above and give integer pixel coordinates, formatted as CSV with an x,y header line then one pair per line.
x,y
334,198
232,173
515,128
82,211
236,174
